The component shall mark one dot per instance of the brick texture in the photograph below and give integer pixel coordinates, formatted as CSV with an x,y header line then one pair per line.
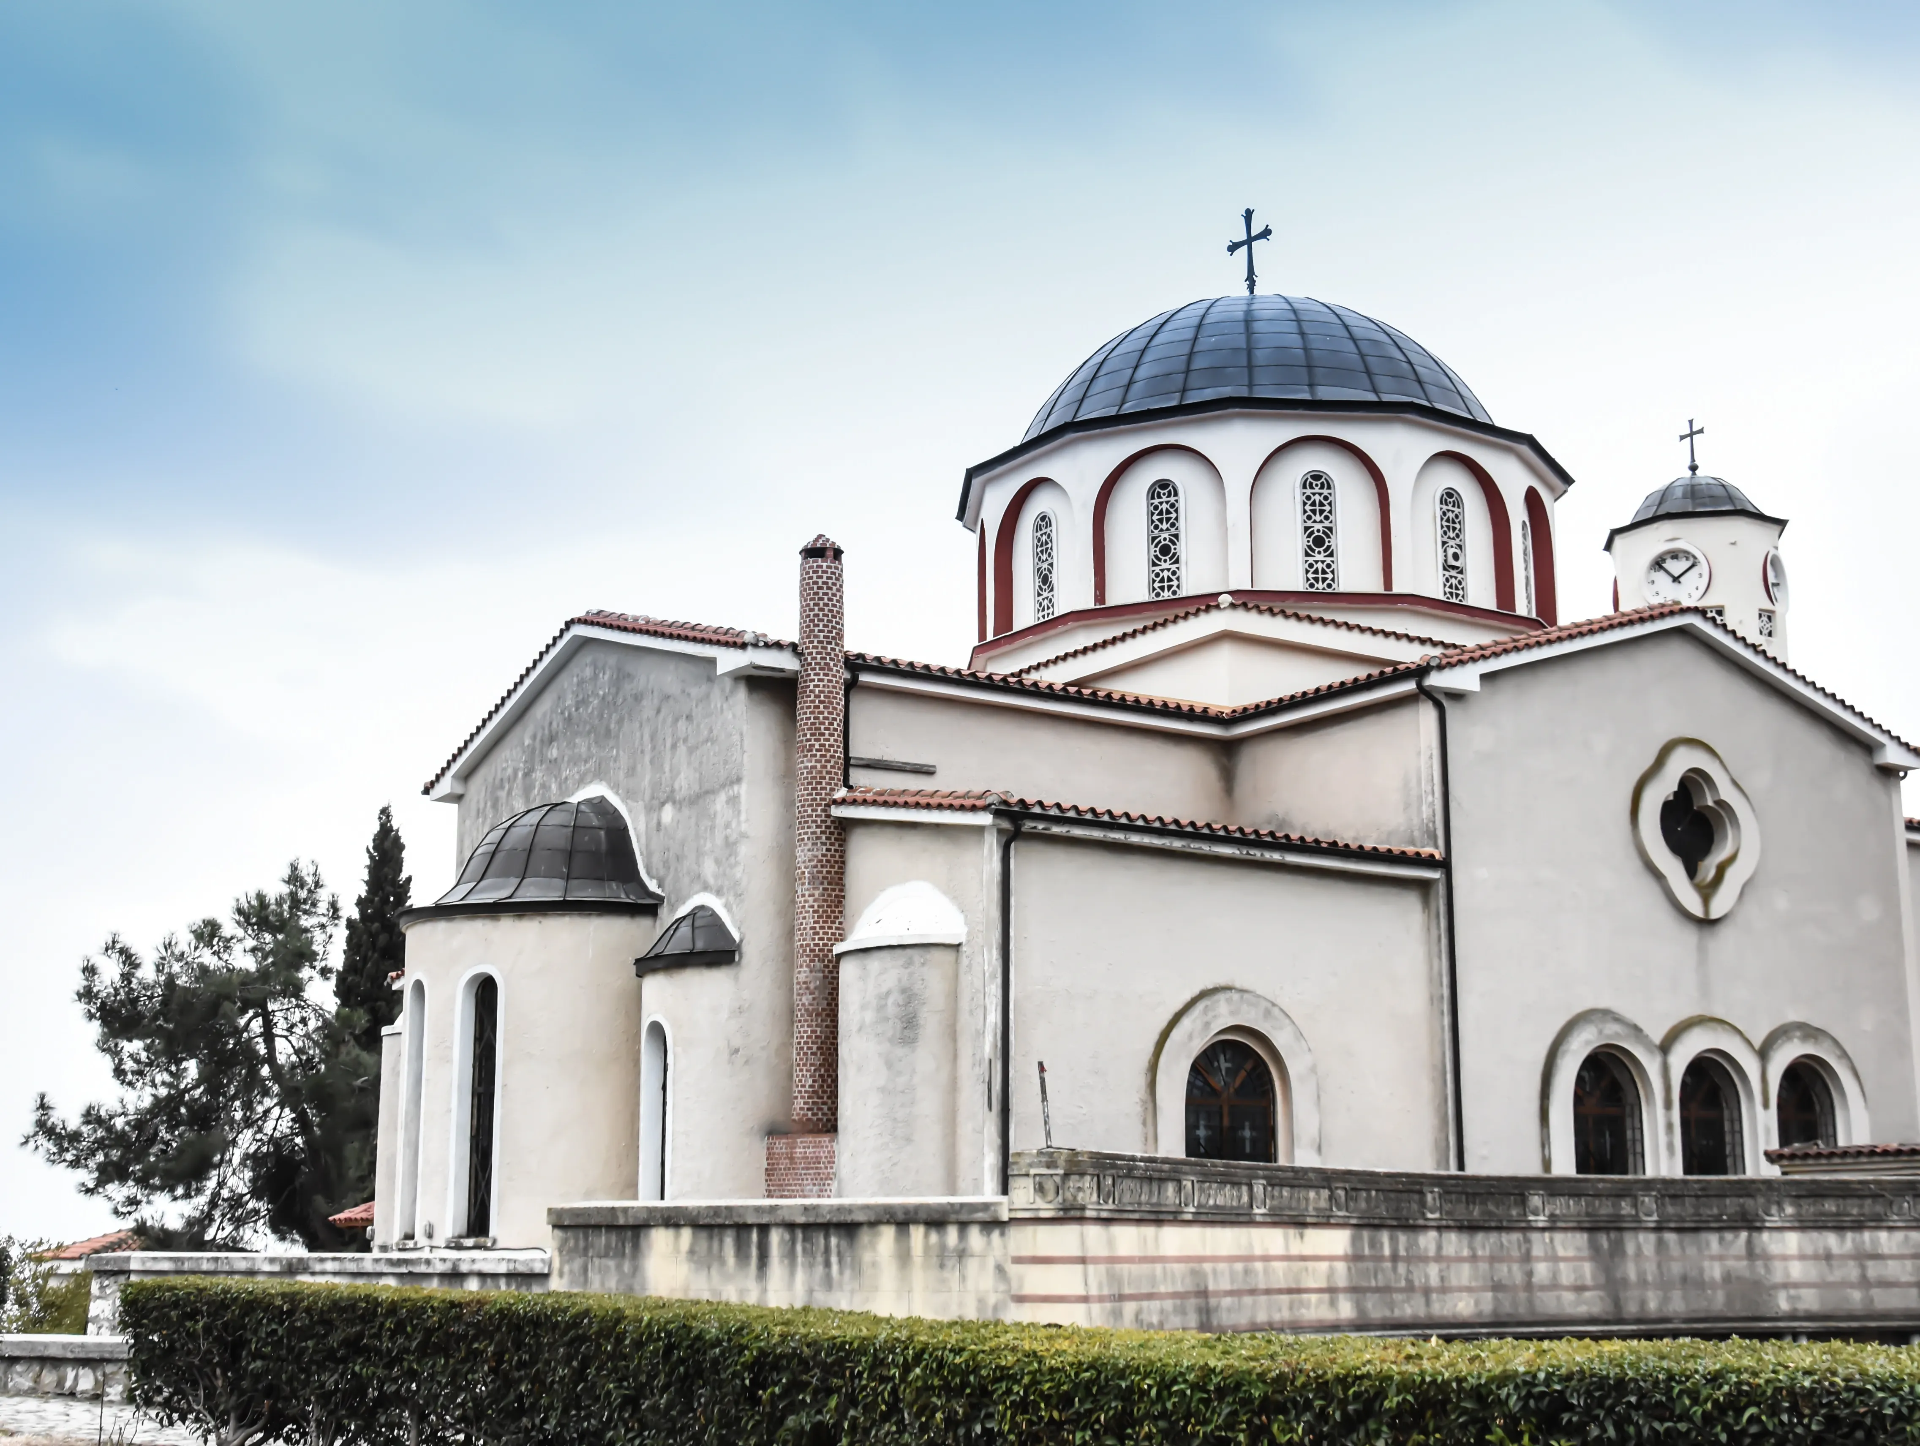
x,y
802,1163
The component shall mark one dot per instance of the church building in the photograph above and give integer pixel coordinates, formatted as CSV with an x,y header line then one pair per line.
x,y
1278,816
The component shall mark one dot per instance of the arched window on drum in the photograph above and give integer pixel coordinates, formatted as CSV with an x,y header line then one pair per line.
x,y
1163,540
1319,534
1450,526
1231,1104
1045,567
1607,1127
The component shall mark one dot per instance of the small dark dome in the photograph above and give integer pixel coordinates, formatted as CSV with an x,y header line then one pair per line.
x,y
1287,348
1695,494
553,856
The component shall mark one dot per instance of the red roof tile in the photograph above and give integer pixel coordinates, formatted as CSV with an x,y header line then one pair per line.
x,y
1844,1152
981,800
115,1242
358,1218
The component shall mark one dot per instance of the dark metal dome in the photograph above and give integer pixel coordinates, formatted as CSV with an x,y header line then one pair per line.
x,y
1287,348
556,856
1695,494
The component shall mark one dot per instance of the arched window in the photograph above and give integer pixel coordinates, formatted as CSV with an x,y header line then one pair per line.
x,y
1526,563
1319,545
1230,1104
481,1096
1805,1104
1163,540
1606,1118
1450,511
1710,1142
1043,567
407,1222
655,1063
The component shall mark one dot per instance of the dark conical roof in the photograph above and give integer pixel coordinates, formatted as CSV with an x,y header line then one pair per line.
x,y
1288,348
1695,494
555,856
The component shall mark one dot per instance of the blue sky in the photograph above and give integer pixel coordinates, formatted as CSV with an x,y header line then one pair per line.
x,y
346,350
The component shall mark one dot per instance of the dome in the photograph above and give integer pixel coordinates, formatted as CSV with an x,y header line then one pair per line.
x,y
556,856
1286,348
1695,494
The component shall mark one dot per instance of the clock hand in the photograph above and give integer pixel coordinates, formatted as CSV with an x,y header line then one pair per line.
x,y
1692,563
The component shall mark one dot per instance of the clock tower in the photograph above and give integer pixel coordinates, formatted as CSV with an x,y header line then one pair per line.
x,y
1699,540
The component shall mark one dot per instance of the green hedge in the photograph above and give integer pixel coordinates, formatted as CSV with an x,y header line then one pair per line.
x,y
329,1365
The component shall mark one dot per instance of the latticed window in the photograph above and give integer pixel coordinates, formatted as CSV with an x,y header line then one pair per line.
x,y
1766,623
1163,540
1230,1104
1043,567
1526,560
1452,509
1319,550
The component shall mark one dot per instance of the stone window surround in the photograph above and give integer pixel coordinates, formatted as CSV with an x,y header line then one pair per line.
x,y
458,1122
1251,1018
1736,852
1657,1067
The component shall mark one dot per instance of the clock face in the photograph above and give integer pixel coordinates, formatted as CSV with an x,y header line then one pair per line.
x,y
1775,577
1677,574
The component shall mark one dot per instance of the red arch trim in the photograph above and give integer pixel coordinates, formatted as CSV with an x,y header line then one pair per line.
x,y
1379,491
1502,530
1546,598
1003,558
1100,511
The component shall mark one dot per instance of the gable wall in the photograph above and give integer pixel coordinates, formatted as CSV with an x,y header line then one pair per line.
x,y
1361,777
1557,913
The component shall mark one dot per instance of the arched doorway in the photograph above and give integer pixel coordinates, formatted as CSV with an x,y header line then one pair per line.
x,y
1804,1102
1710,1138
1230,1104
1607,1132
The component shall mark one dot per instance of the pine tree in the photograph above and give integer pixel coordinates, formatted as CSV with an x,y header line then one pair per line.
x,y
376,949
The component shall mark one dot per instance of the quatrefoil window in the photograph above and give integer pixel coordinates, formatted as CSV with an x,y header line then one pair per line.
x,y
1696,828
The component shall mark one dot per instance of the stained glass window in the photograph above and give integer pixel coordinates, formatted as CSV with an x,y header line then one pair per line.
x,y
1606,1118
1319,550
1163,540
1230,1104
1452,517
1043,567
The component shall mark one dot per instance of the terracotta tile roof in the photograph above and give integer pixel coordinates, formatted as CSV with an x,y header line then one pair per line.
x,y
983,800
1270,609
619,622
114,1242
358,1218
1838,1153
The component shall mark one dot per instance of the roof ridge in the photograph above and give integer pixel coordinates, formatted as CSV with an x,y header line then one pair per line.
x,y
978,800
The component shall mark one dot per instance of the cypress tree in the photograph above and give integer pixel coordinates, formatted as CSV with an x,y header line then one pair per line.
x,y
375,946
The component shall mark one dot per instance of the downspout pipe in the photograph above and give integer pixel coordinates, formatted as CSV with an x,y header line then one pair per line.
x,y
1006,1004
1449,944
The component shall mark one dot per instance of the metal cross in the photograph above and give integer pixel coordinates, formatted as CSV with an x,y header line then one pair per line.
x,y
1265,233
1693,467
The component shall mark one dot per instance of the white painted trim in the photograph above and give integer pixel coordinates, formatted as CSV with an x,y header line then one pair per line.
x,y
1603,1029
929,915
413,1108
712,901
597,789
451,783
665,1181
882,813
894,941
1726,1046
1797,1040
1229,1012
459,1125
1294,855
1888,751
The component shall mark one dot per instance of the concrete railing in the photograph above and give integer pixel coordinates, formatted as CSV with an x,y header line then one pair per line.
x,y
84,1367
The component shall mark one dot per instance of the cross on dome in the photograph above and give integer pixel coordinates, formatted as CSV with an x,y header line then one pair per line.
x,y
1265,233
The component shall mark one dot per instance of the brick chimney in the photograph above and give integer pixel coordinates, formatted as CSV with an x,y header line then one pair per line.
x,y
801,1164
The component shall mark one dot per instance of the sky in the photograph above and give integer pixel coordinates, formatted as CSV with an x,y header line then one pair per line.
x,y
347,350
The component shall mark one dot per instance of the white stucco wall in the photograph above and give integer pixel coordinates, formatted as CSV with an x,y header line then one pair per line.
x,y
1363,777
1558,914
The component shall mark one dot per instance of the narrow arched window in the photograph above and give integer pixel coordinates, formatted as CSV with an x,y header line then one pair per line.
x,y
1805,1104
1526,563
407,1222
1606,1118
1230,1104
1044,555
481,1098
655,1063
1710,1142
1163,540
1451,520
1319,542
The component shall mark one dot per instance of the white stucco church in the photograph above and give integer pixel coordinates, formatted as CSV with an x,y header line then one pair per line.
x,y
1278,812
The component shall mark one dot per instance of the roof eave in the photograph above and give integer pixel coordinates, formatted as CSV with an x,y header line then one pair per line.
x,y
1440,415
1669,517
